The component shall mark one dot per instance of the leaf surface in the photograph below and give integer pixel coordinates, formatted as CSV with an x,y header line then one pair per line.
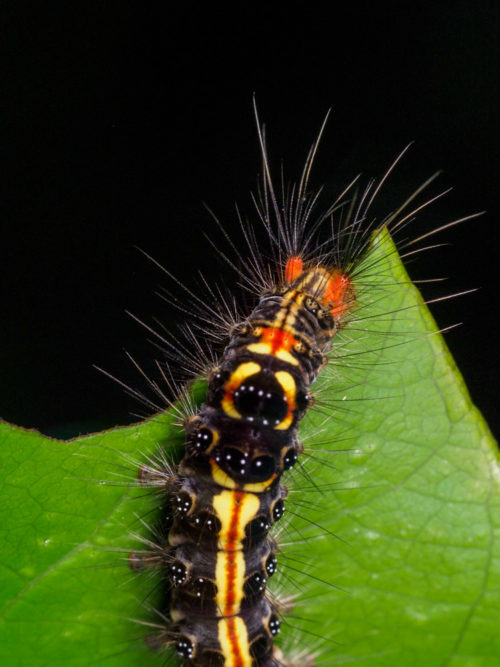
x,y
394,520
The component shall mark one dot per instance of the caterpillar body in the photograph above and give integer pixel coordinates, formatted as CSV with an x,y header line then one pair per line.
x,y
228,490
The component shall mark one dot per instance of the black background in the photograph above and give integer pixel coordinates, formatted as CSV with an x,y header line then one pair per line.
x,y
118,119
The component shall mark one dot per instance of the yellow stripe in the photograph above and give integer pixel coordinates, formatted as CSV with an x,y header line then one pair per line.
x,y
235,510
221,568
234,631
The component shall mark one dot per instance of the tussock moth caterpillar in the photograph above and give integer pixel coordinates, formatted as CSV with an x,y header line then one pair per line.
x,y
316,275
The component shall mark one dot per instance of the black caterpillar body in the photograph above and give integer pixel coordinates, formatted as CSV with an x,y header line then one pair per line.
x,y
228,491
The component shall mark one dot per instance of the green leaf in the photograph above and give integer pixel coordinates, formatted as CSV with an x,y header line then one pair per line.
x,y
393,540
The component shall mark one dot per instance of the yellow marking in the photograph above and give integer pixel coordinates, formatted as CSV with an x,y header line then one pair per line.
x,y
286,356
259,487
222,479
266,348
285,424
260,348
243,371
237,377
233,639
288,384
215,440
228,406
223,504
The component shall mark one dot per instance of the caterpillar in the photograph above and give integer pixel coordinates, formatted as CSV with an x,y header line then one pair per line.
x,y
229,489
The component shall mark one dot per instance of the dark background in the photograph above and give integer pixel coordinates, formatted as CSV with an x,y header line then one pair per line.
x,y
118,119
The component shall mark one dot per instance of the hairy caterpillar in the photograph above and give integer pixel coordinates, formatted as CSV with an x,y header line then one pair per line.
x,y
228,490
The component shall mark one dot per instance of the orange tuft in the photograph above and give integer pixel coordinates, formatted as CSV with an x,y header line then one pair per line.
x,y
294,266
335,294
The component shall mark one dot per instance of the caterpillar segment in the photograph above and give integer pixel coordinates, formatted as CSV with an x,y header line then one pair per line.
x,y
228,491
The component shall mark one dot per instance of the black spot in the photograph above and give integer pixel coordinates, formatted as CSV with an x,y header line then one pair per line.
x,y
233,461
184,647
203,439
274,625
261,397
182,503
178,573
278,510
262,468
257,529
271,565
290,459
239,466
255,585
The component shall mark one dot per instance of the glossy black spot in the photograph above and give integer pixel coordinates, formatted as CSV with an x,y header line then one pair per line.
x,y
302,400
182,503
290,459
257,529
261,398
278,510
203,439
239,466
178,573
271,565
233,461
255,585
260,647
262,468
184,647
274,625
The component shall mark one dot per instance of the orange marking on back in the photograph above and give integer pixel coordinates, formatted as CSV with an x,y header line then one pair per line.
x,y
232,632
335,293
293,269
278,339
